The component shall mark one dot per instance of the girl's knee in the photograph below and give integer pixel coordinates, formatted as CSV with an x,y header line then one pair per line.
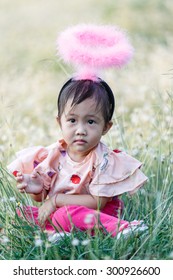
x,y
67,217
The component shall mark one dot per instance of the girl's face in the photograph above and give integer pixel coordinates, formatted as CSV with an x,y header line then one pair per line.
x,y
82,127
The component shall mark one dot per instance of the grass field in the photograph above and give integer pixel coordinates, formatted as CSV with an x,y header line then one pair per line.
x,y
31,76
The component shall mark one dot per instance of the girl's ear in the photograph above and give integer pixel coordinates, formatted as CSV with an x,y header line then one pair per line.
x,y
107,127
58,120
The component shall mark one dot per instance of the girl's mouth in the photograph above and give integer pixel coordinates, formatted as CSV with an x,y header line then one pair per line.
x,y
80,141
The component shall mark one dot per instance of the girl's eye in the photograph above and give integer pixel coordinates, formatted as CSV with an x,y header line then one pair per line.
x,y
72,120
91,121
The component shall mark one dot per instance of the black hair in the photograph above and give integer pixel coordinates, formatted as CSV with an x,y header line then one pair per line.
x,y
79,90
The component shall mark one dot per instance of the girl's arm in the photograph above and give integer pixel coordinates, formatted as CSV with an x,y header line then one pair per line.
x,y
94,202
59,200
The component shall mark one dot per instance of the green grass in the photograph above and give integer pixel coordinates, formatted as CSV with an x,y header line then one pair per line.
x,y
153,204
31,77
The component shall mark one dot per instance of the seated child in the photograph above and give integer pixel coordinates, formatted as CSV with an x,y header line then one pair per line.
x,y
78,179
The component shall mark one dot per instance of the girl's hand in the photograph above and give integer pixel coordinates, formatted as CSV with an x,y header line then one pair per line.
x,y
45,210
29,183
21,183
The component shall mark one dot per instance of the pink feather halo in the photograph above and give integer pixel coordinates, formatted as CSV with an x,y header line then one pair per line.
x,y
91,48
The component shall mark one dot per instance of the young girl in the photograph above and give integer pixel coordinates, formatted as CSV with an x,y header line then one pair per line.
x,y
78,178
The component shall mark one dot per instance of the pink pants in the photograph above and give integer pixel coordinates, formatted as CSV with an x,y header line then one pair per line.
x,y
75,216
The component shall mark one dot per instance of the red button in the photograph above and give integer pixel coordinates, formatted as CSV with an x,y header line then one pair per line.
x,y
116,151
75,179
15,173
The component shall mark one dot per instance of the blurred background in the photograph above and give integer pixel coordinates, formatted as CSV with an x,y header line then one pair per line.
x,y
31,74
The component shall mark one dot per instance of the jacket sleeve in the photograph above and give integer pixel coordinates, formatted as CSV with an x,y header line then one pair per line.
x,y
38,160
116,174
27,159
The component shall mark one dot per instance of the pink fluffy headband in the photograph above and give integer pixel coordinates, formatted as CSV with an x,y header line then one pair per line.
x,y
92,48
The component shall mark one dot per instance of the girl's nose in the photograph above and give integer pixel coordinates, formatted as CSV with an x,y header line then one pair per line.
x,y
80,130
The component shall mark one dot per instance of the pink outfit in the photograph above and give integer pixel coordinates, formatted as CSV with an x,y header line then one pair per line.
x,y
67,217
102,173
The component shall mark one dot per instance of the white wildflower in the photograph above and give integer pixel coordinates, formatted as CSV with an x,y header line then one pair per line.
x,y
75,242
165,181
85,242
5,240
107,258
3,200
38,242
12,199
135,119
88,219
